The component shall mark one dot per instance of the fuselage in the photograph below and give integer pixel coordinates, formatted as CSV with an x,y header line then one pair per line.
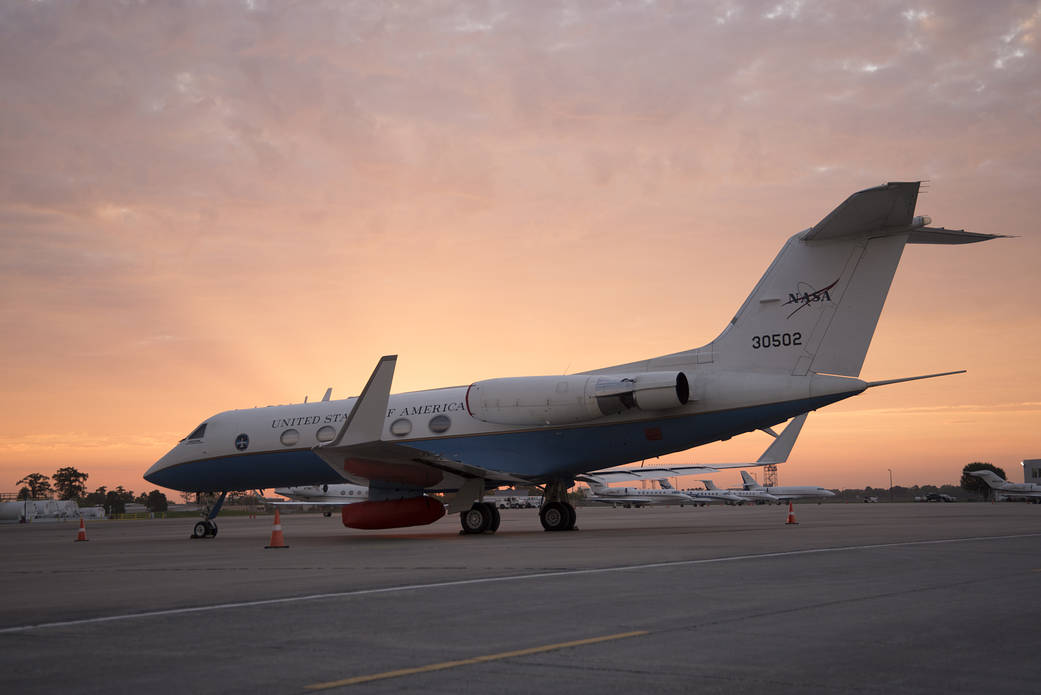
x,y
274,446
795,492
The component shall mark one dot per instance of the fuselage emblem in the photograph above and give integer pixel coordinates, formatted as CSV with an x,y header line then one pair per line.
x,y
242,442
804,295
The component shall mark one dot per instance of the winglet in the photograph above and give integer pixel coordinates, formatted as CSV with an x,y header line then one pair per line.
x,y
365,423
778,451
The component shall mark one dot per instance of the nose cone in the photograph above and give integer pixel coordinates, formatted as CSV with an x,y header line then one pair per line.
x,y
827,493
155,474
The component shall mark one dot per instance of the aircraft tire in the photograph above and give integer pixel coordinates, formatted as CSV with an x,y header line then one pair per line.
x,y
476,519
496,518
200,530
572,516
554,516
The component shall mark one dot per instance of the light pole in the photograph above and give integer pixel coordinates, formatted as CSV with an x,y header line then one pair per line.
x,y
890,484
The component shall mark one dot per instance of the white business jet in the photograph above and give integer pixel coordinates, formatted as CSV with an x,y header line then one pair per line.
x,y
1002,488
796,344
328,496
786,493
637,497
742,496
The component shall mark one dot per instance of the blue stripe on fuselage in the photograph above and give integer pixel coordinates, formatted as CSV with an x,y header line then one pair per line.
x,y
536,454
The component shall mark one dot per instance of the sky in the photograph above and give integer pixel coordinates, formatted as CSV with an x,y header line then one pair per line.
x,y
206,206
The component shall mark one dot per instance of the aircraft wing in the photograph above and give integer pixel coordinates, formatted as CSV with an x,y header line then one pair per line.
x,y
777,452
358,453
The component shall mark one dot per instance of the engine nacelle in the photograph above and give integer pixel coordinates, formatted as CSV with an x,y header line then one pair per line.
x,y
561,400
413,511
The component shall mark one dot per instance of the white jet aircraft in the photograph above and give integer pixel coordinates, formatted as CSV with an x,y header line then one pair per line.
x,y
325,495
786,493
742,496
796,344
637,497
1002,488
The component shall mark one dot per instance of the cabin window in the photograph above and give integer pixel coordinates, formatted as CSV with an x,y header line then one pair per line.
x,y
290,437
197,433
440,423
401,427
325,433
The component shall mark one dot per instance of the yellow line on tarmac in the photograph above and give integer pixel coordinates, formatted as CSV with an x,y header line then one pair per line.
x,y
466,662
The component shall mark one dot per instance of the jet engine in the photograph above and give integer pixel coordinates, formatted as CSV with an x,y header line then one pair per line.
x,y
558,400
412,511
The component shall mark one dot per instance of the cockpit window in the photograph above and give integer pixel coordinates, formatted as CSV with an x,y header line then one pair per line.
x,y
198,433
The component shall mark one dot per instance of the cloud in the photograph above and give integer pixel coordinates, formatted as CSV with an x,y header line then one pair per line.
x,y
289,189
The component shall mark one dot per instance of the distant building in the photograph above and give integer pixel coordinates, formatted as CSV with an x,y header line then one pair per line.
x,y
1031,470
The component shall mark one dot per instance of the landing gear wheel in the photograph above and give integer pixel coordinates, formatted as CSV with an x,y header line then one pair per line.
x,y
476,519
555,516
572,516
496,518
205,529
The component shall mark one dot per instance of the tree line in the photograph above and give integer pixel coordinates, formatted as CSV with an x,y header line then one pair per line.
x,y
70,484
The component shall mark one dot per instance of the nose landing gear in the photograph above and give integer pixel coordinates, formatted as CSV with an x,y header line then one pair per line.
x,y
207,528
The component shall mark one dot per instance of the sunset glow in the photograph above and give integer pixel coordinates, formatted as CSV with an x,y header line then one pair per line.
x,y
232,205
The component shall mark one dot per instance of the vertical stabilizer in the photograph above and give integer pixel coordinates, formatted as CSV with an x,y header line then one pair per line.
x,y
750,483
816,308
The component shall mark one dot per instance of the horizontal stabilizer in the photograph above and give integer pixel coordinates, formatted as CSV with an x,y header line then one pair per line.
x,y
886,382
889,206
939,235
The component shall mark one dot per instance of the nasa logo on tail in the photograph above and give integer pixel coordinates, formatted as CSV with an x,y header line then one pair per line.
x,y
805,295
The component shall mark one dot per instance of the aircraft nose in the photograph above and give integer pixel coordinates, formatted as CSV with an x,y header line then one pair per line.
x,y
152,475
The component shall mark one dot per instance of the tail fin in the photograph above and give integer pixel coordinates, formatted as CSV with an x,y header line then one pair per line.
x,y
750,483
991,478
664,484
817,306
710,485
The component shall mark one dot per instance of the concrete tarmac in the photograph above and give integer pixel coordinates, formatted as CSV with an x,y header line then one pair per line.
x,y
875,598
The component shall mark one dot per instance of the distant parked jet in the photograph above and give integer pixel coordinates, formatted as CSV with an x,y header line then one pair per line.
x,y
787,493
1002,488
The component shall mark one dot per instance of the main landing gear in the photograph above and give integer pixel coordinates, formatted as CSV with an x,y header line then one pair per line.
x,y
556,513
482,517
207,528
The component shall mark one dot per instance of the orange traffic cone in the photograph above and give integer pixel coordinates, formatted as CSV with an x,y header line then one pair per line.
x,y
277,541
82,535
791,515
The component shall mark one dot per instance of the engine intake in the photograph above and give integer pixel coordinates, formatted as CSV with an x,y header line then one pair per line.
x,y
559,400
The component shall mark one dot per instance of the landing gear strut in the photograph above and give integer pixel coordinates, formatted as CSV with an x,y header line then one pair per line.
x,y
557,514
482,517
207,528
